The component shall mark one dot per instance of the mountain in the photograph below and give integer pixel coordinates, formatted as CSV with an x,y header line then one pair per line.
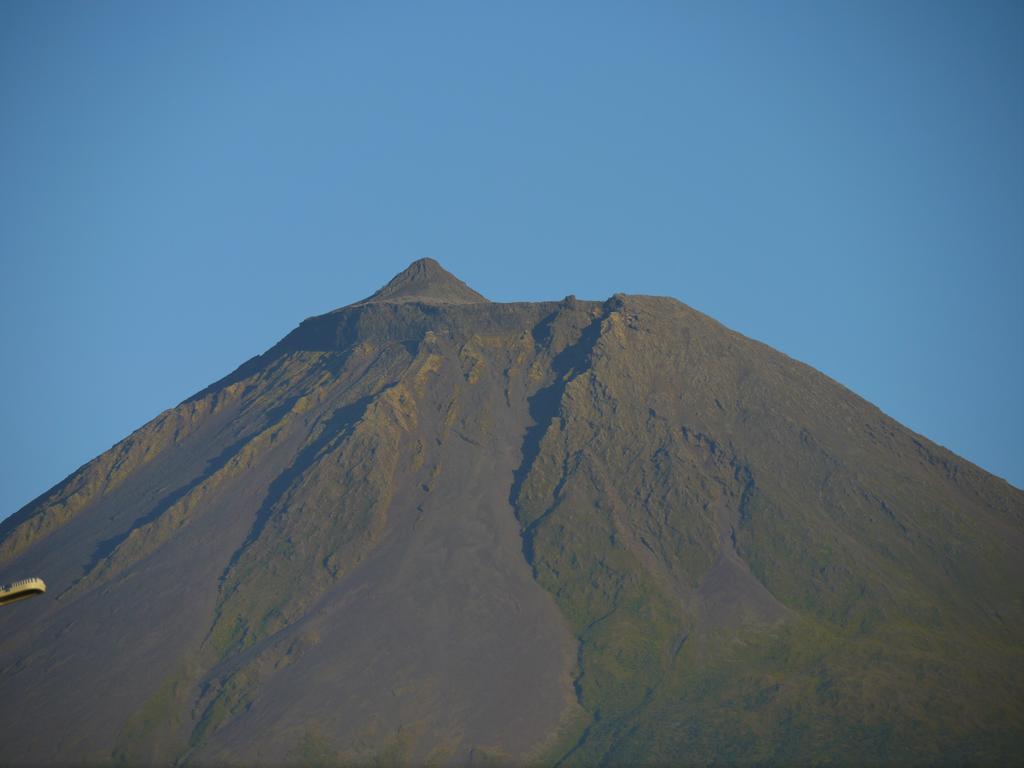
x,y
431,529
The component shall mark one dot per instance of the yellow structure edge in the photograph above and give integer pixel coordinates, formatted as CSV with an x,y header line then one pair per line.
x,y
21,590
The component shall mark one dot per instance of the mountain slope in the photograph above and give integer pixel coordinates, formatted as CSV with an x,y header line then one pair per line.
x,y
431,528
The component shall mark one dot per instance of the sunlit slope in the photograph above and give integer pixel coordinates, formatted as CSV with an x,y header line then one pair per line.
x,y
431,529
761,566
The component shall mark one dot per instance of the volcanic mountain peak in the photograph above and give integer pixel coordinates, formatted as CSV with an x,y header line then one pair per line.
x,y
431,529
426,280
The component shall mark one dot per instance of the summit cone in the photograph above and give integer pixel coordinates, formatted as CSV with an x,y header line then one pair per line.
x,y
426,280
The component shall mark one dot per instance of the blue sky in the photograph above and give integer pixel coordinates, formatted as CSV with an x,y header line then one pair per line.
x,y
182,183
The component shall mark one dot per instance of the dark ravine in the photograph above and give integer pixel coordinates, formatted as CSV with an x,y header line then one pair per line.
x,y
430,529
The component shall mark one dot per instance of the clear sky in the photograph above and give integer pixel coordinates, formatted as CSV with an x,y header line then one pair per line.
x,y
182,183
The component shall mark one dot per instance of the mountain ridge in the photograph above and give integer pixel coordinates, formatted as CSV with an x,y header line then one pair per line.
x,y
658,538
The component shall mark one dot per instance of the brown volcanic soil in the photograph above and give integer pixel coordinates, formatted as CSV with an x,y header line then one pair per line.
x,y
431,528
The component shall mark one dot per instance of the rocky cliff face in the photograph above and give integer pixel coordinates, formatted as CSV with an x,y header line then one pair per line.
x,y
427,528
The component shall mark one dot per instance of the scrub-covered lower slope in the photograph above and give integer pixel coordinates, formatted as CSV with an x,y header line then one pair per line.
x,y
431,529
